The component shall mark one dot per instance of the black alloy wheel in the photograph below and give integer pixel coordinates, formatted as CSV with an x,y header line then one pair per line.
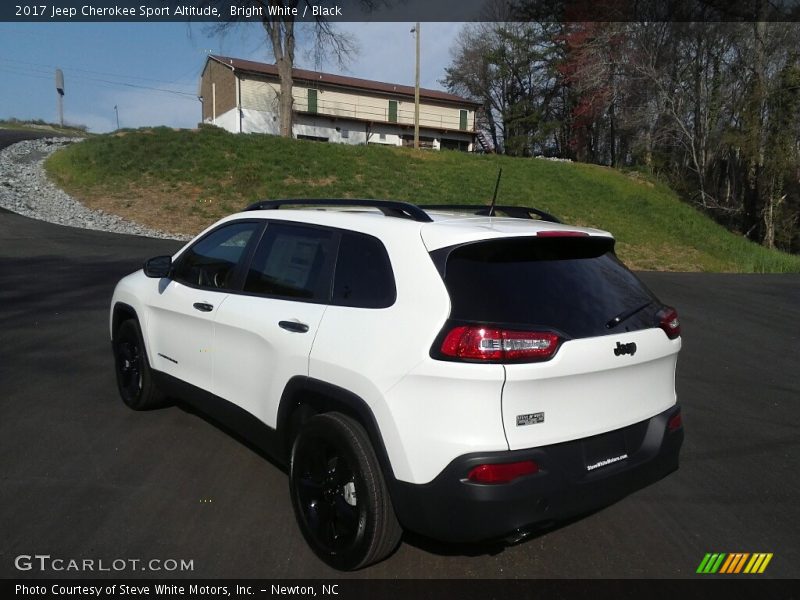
x,y
134,377
129,368
339,496
328,496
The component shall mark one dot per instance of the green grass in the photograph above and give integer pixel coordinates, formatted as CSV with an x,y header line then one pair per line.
x,y
181,180
43,126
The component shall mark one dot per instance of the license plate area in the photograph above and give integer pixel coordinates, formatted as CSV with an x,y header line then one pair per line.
x,y
604,450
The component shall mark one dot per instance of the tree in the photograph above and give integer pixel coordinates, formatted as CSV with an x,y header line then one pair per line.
x,y
471,74
769,128
508,67
712,106
278,19
783,163
590,69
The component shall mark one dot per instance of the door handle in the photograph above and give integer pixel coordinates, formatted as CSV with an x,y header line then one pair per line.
x,y
293,326
203,306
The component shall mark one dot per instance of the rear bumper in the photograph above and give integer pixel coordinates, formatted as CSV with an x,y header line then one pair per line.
x,y
451,508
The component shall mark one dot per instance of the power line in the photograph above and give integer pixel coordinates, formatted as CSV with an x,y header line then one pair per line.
x,y
142,87
38,73
5,70
31,64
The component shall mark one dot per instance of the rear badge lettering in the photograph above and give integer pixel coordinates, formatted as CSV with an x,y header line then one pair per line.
x,y
625,349
530,419
606,462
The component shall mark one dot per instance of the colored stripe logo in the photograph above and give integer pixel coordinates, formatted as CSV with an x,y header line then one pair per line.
x,y
734,563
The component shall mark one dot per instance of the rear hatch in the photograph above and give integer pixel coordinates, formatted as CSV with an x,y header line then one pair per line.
x,y
585,346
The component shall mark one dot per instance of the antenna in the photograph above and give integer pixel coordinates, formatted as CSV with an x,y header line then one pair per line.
x,y
496,187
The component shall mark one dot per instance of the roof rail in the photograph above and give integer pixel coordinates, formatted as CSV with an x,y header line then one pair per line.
x,y
390,208
516,212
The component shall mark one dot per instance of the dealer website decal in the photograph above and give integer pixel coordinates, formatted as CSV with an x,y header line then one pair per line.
x,y
734,563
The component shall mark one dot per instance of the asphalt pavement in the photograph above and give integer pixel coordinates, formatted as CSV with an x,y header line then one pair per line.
x,y
12,136
83,477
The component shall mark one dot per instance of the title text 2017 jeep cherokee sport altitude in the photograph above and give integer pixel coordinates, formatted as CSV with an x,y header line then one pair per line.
x,y
463,376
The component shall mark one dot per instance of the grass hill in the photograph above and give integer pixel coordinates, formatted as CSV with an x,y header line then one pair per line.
x,y
41,126
182,180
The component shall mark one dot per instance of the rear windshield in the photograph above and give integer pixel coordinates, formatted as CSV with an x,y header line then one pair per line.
x,y
573,285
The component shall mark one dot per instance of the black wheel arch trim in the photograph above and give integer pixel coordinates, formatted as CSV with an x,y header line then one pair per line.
x,y
326,397
299,391
122,311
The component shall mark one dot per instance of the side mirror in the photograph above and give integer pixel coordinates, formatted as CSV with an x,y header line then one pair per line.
x,y
157,267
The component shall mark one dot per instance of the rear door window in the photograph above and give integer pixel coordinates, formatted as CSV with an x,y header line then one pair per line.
x,y
572,285
293,262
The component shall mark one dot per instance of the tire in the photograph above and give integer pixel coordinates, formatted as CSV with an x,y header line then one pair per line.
x,y
339,496
134,376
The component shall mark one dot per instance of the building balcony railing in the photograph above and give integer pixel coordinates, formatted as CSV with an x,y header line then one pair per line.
x,y
394,117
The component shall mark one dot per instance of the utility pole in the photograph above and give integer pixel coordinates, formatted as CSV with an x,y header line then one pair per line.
x,y
415,31
60,93
116,112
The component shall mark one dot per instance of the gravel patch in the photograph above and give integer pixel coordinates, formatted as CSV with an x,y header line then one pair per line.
x,y
26,189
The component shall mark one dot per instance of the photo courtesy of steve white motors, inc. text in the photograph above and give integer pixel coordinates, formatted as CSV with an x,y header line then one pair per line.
x,y
56,12
170,589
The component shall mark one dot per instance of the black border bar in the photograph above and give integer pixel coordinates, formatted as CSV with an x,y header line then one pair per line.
x,y
220,11
744,587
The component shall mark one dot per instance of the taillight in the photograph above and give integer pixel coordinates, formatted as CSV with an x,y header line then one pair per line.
x,y
669,322
478,342
675,422
502,472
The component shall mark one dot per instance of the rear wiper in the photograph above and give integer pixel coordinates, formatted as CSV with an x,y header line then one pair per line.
x,y
626,314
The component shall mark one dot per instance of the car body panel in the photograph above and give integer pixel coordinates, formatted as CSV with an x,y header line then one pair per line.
x,y
587,389
443,410
181,337
370,351
254,358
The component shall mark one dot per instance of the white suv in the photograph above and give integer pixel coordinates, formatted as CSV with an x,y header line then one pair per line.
x,y
438,369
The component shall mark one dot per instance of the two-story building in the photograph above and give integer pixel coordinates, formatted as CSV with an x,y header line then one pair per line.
x,y
241,96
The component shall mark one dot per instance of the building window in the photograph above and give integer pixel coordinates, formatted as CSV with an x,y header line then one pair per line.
x,y
424,142
462,122
448,144
345,133
312,138
382,137
312,101
392,111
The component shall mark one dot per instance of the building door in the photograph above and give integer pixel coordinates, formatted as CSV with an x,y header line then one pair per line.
x,y
312,101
